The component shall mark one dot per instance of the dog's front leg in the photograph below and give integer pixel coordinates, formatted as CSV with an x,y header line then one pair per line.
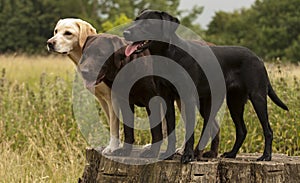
x,y
104,97
128,122
114,124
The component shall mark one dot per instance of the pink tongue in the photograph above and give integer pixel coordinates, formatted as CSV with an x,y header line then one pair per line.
x,y
130,49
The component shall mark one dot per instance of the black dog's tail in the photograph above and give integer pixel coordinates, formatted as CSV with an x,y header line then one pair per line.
x,y
275,98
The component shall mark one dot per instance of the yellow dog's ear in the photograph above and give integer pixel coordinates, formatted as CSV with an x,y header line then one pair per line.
x,y
85,30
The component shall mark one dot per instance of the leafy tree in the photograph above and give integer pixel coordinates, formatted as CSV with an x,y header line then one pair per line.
x,y
293,51
111,9
189,19
279,26
110,26
270,27
27,24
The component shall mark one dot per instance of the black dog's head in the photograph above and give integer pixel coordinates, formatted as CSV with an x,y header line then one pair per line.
x,y
149,26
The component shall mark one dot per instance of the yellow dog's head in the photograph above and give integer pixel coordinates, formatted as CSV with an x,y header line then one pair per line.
x,y
69,36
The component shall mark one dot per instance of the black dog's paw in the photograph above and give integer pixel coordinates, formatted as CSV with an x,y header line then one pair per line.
x,y
210,154
187,157
123,151
149,153
228,155
265,157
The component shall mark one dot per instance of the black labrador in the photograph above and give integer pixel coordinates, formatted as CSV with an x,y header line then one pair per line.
x,y
244,73
102,60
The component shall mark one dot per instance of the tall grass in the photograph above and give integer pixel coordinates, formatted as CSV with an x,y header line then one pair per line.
x,y
40,140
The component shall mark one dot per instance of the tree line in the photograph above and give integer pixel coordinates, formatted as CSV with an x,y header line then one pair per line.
x,y
271,28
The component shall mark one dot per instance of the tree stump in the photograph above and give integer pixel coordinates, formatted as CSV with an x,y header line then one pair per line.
x,y
244,168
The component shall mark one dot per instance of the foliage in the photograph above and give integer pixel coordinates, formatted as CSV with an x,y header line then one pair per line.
x,y
39,139
26,25
110,8
270,28
108,26
189,19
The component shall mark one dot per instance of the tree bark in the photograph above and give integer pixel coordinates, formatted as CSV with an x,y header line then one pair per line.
x,y
244,168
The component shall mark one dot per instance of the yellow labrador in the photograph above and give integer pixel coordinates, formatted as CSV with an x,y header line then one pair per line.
x,y
69,37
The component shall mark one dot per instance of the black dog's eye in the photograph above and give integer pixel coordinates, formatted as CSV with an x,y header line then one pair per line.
x,y
67,33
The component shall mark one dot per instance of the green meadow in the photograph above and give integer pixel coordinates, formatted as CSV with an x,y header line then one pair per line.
x,y
40,140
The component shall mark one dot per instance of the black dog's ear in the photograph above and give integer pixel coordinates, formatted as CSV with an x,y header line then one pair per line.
x,y
143,10
167,16
170,24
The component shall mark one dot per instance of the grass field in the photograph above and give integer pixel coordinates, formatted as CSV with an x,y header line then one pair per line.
x,y
40,140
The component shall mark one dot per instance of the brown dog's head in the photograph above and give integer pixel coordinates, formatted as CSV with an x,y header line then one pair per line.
x,y
69,36
101,58
150,25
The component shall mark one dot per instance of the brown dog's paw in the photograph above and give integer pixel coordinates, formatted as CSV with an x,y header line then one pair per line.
x,y
210,154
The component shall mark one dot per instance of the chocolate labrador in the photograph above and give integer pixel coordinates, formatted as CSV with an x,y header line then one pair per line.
x,y
102,60
244,74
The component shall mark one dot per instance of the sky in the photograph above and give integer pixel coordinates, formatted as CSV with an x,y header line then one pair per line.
x,y
211,6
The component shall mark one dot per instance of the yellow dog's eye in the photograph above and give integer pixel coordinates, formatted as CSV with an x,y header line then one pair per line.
x,y
68,33
55,31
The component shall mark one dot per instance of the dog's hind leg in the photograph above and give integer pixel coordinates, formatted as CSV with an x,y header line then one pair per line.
x,y
206,134
259,102
156,132
236,104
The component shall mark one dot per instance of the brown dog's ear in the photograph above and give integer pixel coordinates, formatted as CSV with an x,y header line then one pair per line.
x,y
112,46
119,51
88,41
118,57
85,30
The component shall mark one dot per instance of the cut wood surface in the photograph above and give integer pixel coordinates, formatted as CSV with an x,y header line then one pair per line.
x,y
244,168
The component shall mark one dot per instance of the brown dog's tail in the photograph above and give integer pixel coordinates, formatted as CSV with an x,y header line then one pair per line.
x,y
275,98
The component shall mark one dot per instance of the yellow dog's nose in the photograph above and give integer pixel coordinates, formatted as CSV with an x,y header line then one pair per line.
x,y
50,44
